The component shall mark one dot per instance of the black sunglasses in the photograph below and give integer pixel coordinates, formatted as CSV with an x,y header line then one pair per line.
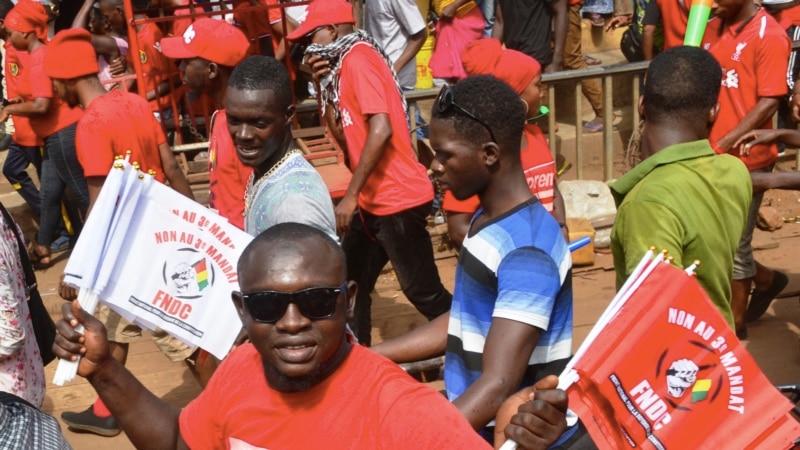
x,y
314,303
447,100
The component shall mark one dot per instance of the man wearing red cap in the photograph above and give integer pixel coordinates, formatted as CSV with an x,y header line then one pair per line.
x,y
114,124
383,214
208,50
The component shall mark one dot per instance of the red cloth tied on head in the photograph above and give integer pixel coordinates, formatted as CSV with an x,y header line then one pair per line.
x,y
70,55
488,57
28,16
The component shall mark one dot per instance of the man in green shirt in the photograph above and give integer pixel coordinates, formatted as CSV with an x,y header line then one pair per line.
x,y
682,197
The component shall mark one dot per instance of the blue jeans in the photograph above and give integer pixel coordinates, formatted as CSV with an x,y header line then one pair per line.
x,y
402,239
60,170
18,159
487,8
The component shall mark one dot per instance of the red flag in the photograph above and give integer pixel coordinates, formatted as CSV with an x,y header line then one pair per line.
x,y
668,373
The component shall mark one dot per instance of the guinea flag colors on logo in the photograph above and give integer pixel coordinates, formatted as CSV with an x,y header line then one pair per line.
x,y
14,69
667,372
142,56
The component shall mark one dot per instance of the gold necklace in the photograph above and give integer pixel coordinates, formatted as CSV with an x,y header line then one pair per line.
x,y
252,188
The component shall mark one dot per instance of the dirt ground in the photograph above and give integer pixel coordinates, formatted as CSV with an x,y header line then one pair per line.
x,y
773,339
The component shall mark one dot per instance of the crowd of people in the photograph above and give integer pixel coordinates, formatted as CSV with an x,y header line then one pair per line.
x,y
304,301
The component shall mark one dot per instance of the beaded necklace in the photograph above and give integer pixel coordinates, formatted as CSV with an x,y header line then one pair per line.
x,y
252,188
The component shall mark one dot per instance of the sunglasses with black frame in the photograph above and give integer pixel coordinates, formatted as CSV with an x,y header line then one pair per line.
x,y
447,100
314,303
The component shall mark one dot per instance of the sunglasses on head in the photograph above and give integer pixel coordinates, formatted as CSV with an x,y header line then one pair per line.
x,y
314,303
447,100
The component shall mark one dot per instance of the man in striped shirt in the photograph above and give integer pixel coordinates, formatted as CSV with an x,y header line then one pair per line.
x,y
510,323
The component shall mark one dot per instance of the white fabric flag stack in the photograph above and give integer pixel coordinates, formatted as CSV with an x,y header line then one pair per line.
x,y
160,260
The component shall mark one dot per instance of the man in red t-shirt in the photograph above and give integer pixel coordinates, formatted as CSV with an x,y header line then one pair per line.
x,y
753,51
301,382
384,211
155,66
115,124
208,50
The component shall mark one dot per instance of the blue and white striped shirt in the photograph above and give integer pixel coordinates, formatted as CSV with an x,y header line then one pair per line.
x,y
516,267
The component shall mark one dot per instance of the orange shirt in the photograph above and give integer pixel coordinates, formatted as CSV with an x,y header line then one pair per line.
x,y
155,66
115,123
59,116
227,176
366,87
788,17
674,16
257,23
13,64
539,169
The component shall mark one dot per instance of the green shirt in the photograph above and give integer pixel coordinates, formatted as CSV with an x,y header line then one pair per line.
x,y
691,202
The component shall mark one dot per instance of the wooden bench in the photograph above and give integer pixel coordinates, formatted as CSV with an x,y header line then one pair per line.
x,y
322,151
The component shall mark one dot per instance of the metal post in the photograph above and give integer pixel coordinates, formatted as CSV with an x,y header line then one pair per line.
x,y
635,101
579,129
551,118
608,124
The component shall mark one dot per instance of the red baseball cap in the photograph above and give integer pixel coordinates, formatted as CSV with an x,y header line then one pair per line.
x,y
211,39
321,13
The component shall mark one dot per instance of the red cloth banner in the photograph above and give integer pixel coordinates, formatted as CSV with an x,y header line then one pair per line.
x,y
668,373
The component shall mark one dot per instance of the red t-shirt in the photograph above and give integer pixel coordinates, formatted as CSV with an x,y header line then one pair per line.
x,y
113,124
674,16
155,66
59,116
788,17
367,403
227,176
754,65
257,23
539,169
366,87
14,62
183,18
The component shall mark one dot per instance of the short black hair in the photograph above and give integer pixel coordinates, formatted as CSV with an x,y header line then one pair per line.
x,y
263,72
5,7
681,85
292,232
492,101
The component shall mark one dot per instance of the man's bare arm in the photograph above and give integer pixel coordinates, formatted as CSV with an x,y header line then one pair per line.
x,y
148,421
415,42
764,109
503,370
426,341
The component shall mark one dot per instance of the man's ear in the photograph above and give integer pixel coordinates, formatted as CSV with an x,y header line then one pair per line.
x,y
712,114
640,106
236,296
350,302
213,70
290,110
491,153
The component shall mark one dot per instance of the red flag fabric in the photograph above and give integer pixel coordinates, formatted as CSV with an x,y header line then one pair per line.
x,y
668,373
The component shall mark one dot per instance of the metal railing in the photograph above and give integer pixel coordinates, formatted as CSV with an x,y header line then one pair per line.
x,y
606,73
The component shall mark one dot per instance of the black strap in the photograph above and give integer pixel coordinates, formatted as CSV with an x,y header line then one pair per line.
x,y
7,397
30,277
